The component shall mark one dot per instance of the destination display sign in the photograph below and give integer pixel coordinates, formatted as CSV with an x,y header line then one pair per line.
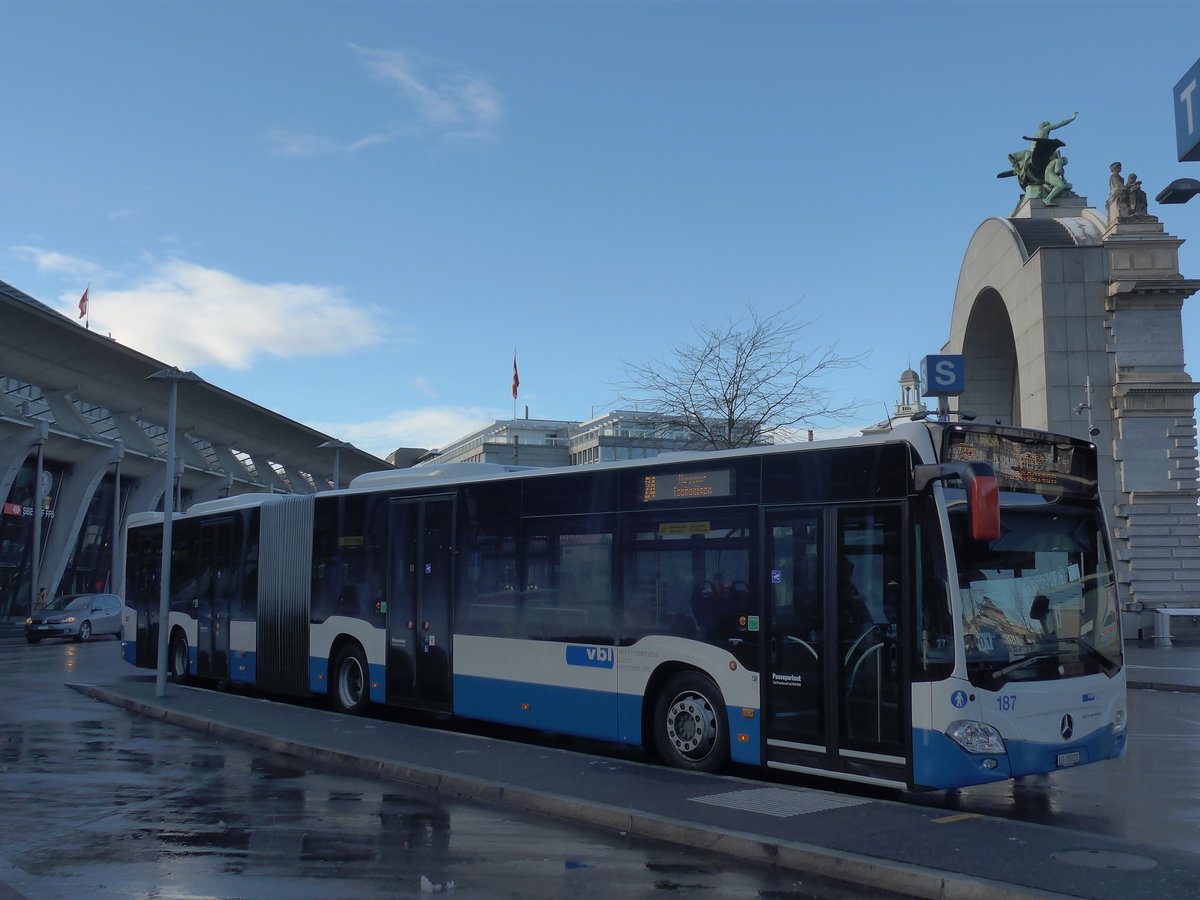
x,y
686,485
1025,463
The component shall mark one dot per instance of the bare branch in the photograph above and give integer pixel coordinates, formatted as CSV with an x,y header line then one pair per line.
x,y
741,382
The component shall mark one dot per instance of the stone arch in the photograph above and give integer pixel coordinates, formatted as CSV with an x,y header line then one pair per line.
x,y
1028,318
989,343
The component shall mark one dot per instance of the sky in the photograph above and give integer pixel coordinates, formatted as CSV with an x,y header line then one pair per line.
x,y
355,213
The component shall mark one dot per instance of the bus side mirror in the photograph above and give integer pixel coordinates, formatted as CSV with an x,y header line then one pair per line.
x,y
983,493
983,503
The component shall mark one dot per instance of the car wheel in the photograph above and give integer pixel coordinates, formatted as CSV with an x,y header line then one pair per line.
x,y
690,729
177,659
33,638
351,681
85,632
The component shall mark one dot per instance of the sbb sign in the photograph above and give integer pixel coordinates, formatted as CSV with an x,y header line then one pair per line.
x,y
942,376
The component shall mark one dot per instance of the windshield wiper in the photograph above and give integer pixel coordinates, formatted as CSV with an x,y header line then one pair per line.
x,y
1105,661
1021,663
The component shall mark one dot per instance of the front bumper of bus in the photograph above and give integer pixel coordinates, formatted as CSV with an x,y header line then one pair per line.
x,y
940,762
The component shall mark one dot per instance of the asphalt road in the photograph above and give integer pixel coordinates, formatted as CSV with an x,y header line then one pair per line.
x,y
103,803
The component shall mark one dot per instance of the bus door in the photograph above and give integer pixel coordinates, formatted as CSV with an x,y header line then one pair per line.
x,y
833,689
419,597
214,579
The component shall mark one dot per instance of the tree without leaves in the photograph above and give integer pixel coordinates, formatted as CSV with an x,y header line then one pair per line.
x,y
740,383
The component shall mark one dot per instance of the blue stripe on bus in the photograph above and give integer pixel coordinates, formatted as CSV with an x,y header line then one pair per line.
x,y
378,676
243,666
580,712
747,751
575,711
318,672
939,762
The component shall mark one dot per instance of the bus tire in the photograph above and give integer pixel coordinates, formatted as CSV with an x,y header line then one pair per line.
x,y
350,680
177,659
690,727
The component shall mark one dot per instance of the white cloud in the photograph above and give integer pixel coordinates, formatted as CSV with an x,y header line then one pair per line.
x,y
425,386
189,315
453,102
285,143
430,428
57,263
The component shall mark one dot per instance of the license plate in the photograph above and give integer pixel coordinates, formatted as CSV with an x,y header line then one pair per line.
x,y
1066,760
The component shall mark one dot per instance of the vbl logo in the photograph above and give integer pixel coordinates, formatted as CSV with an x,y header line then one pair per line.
x,y
595,657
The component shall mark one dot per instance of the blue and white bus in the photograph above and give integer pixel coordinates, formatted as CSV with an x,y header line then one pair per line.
x,y
929,608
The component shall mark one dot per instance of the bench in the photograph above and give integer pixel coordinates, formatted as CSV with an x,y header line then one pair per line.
x,y
1162,623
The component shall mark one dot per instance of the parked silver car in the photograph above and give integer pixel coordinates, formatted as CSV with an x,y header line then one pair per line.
x,y
77,616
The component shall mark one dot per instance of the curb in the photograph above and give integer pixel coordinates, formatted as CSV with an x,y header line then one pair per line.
x,y
1162,686
849,868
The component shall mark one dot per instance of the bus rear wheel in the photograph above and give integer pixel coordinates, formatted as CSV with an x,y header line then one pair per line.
x,y
351,681
177,658
690,729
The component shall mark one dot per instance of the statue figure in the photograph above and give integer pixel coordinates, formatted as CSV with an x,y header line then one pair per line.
x,y
1045,128
1054,178
1029,166
1118,198
1136,197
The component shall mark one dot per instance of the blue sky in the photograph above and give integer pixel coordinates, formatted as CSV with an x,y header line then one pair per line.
x,y
354,212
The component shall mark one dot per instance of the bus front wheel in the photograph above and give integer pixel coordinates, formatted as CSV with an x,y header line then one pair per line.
x,y
178,658
690,729
351,684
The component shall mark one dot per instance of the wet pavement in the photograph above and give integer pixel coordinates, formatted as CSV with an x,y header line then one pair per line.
x,y
871,842
100,802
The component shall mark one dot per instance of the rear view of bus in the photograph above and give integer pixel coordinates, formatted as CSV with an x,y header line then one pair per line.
x,y
1036,680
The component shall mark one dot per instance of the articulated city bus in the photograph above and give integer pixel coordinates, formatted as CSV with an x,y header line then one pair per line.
x,y
929,608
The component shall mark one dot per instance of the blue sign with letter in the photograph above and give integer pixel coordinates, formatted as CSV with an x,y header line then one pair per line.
x,y
1187,115
942,376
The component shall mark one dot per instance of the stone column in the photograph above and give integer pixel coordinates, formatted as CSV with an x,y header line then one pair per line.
x,y
1156,523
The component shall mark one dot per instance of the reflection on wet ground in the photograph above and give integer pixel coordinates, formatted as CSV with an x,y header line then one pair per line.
x,y
108,804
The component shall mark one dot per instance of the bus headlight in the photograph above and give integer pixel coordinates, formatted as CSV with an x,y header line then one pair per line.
x,y
975,737
1119,719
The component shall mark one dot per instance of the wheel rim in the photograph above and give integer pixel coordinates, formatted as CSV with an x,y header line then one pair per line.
x,y
85,631
692,725
351,681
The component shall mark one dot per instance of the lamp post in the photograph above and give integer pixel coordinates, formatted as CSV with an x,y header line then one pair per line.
x,y
173,376
35,560
337,447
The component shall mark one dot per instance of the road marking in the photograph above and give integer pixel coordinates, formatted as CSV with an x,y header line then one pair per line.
x,y
946,819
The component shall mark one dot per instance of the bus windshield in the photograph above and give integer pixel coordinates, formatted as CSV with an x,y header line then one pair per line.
x,y
1039,602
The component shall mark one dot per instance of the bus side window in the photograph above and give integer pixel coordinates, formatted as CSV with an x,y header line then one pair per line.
x,y
487,591
568,591
934,625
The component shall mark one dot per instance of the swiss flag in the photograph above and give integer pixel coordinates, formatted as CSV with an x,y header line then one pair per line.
x,y
83,302
516,379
